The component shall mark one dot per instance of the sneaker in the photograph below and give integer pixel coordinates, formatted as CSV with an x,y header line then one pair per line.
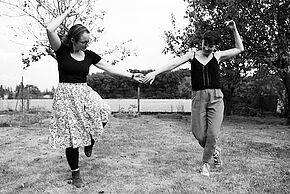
x,y
217,158
205,169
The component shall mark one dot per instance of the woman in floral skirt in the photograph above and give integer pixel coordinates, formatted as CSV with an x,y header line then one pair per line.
x,y
79,113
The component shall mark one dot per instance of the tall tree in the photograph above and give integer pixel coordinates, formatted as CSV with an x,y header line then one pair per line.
x,y
180,41
263,24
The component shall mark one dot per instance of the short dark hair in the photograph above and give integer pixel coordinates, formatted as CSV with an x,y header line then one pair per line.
x,y
212,37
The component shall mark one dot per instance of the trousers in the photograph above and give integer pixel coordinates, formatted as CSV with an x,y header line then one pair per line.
x,y
207,113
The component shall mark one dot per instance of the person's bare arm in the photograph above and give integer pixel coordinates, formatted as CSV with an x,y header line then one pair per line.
x,y
168,67
116,71
239,47
51,28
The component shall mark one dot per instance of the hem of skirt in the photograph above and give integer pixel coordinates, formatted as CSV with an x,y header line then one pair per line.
x,y
54,145
57,146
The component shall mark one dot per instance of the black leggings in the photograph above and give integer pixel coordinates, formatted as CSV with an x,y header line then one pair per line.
x,y
72,156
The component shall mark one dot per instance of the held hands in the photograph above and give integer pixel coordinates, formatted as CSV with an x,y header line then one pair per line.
x,y
139,77
150,77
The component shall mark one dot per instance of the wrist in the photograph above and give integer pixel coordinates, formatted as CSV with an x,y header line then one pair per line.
x,y
234,29
154,73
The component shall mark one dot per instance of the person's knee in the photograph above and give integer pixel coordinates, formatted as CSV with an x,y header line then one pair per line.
x,y
198,134
211,140
202,143
200,138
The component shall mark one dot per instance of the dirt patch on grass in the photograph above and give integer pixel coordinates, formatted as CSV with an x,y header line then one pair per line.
x,y
149,154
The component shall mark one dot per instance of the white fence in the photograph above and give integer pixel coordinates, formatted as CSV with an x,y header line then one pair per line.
x,y
146,105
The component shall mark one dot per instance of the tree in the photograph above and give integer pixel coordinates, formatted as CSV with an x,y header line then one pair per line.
x,y
32,91
41,12
179,41
263,24
110,86
185,88
167,85
5,92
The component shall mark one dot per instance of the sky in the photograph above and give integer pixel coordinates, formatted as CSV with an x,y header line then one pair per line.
x,y
142,21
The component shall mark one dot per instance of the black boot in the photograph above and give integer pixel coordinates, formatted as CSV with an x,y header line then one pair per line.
x,y
77,180
88,149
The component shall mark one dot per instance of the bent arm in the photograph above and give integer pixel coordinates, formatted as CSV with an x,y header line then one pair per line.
x,y
51,28
239,47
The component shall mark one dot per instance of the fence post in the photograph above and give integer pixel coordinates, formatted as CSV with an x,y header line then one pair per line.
x,y
28,88
22,96
138,100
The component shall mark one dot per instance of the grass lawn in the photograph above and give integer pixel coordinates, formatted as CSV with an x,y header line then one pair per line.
x,y
148,154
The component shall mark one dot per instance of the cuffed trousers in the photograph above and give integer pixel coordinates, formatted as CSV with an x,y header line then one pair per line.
x,y
206,118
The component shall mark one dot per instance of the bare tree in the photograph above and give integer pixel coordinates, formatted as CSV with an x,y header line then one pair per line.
x,y
36,14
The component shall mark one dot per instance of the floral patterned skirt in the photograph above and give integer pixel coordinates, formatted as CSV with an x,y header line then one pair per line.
x,y
78,112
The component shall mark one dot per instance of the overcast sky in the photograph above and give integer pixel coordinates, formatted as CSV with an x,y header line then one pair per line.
x,y
142,21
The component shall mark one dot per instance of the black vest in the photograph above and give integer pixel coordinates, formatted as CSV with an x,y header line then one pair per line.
x,y
205,76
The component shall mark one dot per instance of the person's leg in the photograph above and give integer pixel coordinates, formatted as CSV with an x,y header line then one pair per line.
x,y
199,123
72,156
215,113
198,117
89,149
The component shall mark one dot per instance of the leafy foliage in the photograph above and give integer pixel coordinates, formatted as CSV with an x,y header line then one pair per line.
x,y
5,92
166,85
263,25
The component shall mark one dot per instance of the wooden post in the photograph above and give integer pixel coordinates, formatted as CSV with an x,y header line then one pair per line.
x,y
22,96
28,97
138,96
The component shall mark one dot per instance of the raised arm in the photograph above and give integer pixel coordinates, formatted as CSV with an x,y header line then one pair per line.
x,y
51,28
239,47
116,71
168,67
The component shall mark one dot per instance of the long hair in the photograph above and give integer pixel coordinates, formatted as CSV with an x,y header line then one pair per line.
x,y
74,32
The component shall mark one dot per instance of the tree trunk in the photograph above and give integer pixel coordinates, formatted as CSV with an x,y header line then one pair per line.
x,y
286,80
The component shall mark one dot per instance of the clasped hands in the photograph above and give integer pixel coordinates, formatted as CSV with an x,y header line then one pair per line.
x,y
141,78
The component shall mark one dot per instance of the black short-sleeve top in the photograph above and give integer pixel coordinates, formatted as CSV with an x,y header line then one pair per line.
x,y
71,70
